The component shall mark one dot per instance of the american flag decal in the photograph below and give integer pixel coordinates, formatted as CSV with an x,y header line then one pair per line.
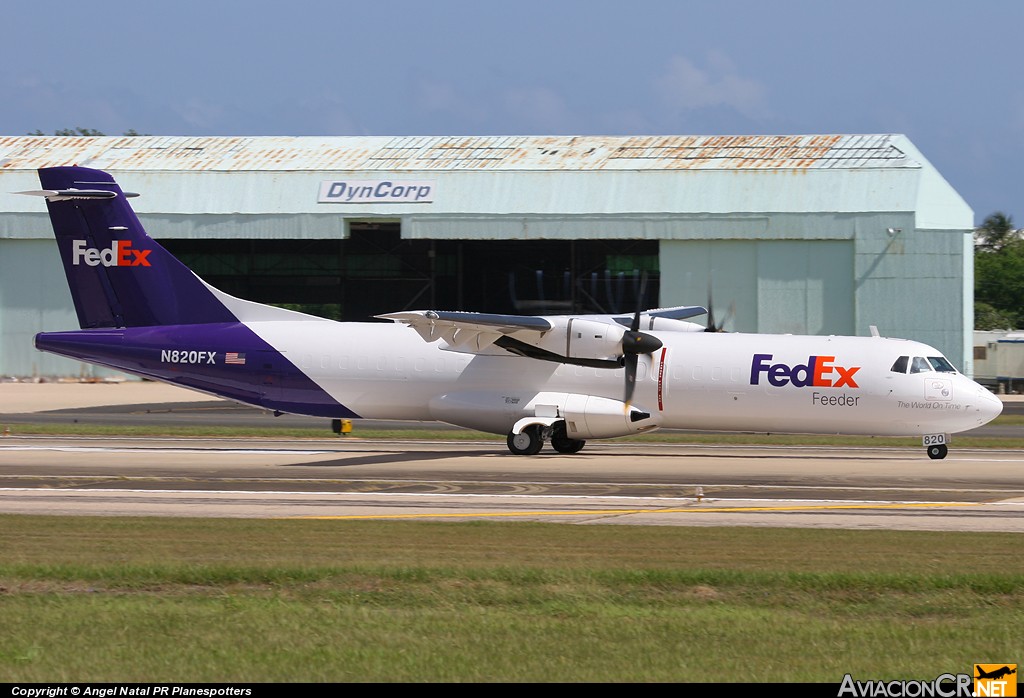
x,y
233,357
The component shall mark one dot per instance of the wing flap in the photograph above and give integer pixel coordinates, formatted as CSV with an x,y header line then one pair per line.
x,y
678,312
468,332
439,322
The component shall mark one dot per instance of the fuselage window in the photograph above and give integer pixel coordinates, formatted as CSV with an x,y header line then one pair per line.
x,y
920,365
901,365
941,364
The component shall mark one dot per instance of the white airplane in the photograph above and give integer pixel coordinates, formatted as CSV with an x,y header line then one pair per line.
x,y
536,379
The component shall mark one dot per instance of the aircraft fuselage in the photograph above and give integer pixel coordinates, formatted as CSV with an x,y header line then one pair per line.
x,y
697,380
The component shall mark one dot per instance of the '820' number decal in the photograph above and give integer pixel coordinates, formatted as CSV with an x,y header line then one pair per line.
x,y
934,439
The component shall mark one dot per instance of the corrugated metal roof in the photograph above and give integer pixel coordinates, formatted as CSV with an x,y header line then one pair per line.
x,y
419,153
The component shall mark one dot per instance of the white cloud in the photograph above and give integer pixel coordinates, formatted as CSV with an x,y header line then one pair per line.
x,y
200,114
323,113
540,107
523,109
685,86
442,97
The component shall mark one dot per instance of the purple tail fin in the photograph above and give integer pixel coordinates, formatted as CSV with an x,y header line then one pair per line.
x,y
118,275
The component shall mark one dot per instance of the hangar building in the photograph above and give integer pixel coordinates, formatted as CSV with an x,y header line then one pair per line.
x,y
819,234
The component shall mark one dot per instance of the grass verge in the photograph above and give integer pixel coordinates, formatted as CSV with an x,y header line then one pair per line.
x,y
116,599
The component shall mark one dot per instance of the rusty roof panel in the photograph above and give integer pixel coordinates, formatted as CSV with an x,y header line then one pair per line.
x,y
419,153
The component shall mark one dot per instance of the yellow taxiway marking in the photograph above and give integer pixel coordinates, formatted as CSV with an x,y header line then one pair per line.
x,y
620,512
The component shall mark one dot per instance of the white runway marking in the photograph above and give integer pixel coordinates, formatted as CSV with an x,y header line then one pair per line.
x,y
471,495
193,451
998,456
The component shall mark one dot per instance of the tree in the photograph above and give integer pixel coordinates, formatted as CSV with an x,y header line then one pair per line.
x,y
995,232
988,318
998,274
80,131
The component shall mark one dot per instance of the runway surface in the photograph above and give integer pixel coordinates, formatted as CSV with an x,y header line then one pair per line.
x,y
181,409
608,483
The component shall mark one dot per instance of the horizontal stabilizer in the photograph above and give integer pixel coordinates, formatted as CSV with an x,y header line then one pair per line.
x,y
75,194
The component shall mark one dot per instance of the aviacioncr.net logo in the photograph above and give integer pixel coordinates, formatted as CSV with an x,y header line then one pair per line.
x,y
998,680
943,686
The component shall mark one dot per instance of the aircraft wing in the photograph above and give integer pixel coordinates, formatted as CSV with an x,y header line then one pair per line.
x,y
471,332
587,340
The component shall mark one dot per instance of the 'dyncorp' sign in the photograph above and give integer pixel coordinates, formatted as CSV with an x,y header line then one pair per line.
x,y
379,191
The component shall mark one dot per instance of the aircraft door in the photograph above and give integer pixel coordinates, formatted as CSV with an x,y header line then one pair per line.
x,y
272,374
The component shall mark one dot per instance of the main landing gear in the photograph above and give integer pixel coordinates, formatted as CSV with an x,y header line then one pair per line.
x,y
531,440
528,442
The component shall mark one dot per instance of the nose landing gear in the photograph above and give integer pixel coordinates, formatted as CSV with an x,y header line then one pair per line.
x,y
936,445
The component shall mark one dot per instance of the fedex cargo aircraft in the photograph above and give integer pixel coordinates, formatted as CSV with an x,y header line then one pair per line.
x,y
559,379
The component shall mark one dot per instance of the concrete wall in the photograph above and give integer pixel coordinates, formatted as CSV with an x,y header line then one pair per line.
x,y
774,286
833,275
34,297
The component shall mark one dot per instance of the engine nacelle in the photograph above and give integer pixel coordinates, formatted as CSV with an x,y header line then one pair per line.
x,y
664,324
585,416
588,416
579,338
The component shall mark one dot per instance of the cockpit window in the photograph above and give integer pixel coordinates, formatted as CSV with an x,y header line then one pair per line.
x,y
941,364
920,365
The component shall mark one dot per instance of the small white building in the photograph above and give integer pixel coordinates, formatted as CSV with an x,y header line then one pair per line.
x,y
999,360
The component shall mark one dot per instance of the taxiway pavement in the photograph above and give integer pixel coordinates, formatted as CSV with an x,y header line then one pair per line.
x,y
608,483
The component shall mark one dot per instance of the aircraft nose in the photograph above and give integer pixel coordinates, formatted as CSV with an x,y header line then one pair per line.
x,y
989,405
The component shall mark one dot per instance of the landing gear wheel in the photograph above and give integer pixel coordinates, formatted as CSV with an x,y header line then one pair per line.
x,y
938,451
526,443
564,444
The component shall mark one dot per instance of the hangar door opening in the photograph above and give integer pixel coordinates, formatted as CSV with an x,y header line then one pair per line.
x,y
775,286
375,271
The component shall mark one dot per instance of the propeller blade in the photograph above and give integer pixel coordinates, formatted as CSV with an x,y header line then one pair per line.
x,y
730,316
641,294
631,363
712,325
635,342
711,312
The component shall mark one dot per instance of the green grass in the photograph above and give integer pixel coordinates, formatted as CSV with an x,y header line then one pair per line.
x,y
119,599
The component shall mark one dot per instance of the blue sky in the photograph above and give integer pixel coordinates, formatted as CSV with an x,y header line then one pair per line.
x,y
947,74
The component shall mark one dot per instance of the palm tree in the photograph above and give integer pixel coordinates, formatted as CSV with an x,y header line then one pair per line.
x,y
995,232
